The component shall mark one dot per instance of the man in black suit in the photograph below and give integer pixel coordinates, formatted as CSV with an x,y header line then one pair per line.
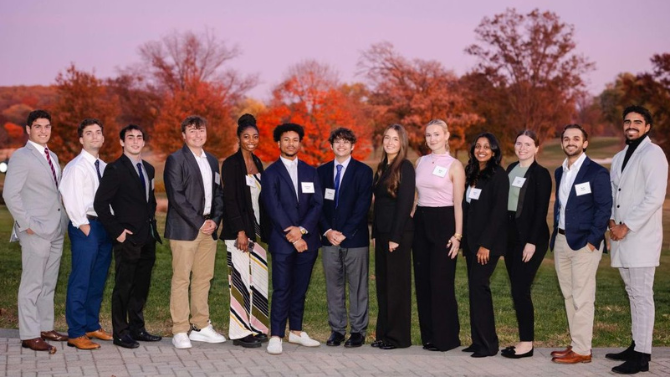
x,y
345,240
126,207
195,207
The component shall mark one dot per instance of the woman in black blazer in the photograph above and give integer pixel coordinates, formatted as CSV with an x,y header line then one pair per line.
x,y
485,237
243,224
528,234
392,230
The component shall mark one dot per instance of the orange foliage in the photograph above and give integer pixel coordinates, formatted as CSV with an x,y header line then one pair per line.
x,y
16,134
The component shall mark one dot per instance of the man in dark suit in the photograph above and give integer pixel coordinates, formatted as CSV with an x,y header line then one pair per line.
x,y
293,199
347,186
581,213
126,207
195,207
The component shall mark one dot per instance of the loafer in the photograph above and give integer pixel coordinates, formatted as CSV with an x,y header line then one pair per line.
x,y
335,339
477,354
82,343
377,343
144,336
38,344
274,346
387,346
263,338
248,341
53,336
572,358
561,353
303,340
511,353
356,339
126,342
100,334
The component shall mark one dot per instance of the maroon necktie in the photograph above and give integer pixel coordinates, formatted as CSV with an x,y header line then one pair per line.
x,y
51,164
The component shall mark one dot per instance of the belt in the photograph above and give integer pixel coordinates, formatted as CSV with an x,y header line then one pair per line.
x,y
208,217
92,218
561,231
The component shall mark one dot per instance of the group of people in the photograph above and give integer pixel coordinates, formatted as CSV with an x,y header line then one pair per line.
x,y
423,214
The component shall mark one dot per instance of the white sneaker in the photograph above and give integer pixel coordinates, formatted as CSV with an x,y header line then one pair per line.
x,y
303,340
180,341
207,335
274,346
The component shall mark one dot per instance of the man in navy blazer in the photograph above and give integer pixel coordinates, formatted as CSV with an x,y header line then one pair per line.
x,y
345,241
293,199
581,213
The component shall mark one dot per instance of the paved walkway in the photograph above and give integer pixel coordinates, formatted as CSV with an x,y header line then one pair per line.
x,y
161,358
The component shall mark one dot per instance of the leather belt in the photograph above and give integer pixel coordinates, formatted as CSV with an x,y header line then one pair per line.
x,y
92,218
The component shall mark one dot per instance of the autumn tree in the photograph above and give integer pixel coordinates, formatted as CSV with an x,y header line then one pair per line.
x,y
413,92
528,75
312,96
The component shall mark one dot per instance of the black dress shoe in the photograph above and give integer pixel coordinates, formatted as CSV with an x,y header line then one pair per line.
x,y
479,354
638,363
261,338
126,341
248,341
511,353
377,343
470,348
144,336
625,355
387,346
356,339
335,339
430,347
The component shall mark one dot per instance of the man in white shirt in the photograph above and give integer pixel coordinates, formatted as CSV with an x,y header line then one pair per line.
x,y
195,207
90,244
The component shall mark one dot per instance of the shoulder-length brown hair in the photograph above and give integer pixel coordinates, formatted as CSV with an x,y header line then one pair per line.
x,y
394,169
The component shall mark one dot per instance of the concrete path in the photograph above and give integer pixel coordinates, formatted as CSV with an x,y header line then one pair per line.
x,y
161,358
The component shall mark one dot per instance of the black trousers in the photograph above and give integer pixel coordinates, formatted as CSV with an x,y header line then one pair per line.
x,y
521,276
133,265
482,320
394,290
434,275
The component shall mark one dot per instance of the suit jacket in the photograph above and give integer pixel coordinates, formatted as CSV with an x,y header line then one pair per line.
x,y
587,215
32,196
238,209
351,215
284,210
121,191
485,219
639,192
533,205
186,195
392,215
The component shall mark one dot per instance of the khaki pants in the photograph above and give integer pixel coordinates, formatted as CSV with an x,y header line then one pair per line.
x,y
576,270
197,258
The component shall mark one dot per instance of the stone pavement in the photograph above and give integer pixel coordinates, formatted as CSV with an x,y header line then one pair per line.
x,y
161,358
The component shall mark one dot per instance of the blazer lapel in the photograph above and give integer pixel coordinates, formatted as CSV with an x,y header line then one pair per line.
x,y
287,177
133,173
632,161
578,178
194,167
39,155
348,176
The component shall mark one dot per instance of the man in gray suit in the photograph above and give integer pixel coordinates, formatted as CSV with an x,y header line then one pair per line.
x,y
32,197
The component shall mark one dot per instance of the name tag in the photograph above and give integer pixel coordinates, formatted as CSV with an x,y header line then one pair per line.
x,y
440,171
474,193
307,187
250,181
583,188
217,178
330,194
152,183
518,181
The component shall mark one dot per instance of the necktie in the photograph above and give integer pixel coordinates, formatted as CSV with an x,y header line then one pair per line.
x,y
97,169
338,176
51,165
144,184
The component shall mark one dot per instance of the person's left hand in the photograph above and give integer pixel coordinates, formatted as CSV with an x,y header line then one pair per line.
x,y
483,255
528,252
293,234
618,232
393,246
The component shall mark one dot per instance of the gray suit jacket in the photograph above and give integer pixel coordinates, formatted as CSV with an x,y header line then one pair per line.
x,y
32,196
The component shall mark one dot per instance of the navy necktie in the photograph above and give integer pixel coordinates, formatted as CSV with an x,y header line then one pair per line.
x,y
338,176
97,169
144,184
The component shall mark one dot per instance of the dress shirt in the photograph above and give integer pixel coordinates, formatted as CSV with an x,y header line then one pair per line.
x,y
144,173
206,173
567,179
40,148
344,169
78,186
292,167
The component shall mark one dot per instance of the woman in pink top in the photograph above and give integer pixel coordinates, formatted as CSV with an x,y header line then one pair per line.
x,y
438,224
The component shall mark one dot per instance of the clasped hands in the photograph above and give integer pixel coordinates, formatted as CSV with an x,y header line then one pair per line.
x,y
294,236
335,237
208,227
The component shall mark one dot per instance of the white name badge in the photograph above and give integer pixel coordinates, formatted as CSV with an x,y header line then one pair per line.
x,y
152,183
307,187
250,181
217,178
474,193
330,194
518,181
440,171
582,188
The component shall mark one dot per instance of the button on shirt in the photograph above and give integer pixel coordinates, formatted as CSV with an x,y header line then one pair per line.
x,y
292,167
78,186
206,174
567,180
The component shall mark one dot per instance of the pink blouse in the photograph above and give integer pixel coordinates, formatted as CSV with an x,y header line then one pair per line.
x,y
433,183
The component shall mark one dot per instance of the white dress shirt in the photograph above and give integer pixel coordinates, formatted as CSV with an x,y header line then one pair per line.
x,y
292,167
567,180
78,186
206,174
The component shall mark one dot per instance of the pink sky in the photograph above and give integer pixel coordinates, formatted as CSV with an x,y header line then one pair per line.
x,y
40,38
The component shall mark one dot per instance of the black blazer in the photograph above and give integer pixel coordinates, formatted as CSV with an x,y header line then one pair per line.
x,y
238,211
485,219
121,189
533,205
186,195
351,215
392,215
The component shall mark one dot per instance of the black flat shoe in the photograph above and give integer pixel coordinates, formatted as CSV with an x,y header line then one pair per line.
x,y
479,355
335,339
144,336
511,354
430,347
387,346
377,343
470,348
355,340
248,341
261,338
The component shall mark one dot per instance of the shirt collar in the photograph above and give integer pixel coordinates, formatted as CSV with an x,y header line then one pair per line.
x,y
88,157
344,164
202,156
38,146
289,163
576,165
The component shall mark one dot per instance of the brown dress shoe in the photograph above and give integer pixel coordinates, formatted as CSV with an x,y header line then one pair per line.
x,y
54,336
83,343
572,358
561,353
38,344
100,334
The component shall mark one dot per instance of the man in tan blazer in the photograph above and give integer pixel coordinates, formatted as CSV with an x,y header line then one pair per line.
x,y
639,178
32,197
